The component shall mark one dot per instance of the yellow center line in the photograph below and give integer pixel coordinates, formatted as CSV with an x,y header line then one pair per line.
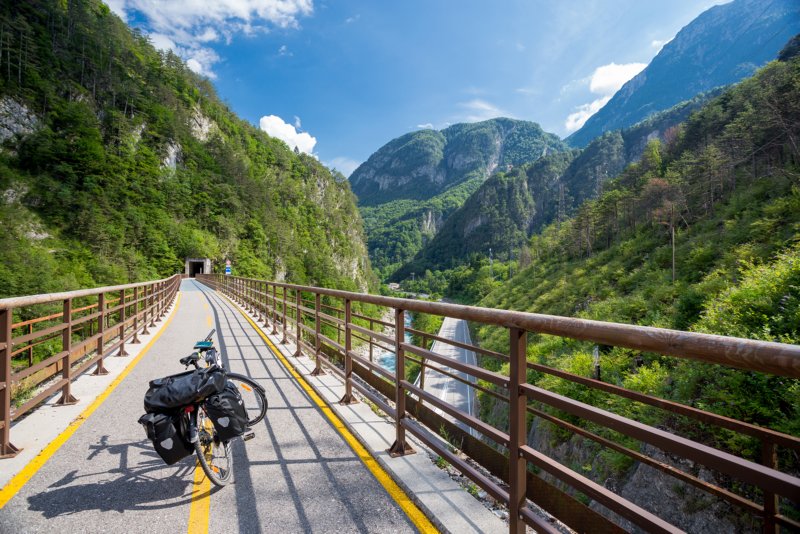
x,y
208,320
413,512
201,504
22,478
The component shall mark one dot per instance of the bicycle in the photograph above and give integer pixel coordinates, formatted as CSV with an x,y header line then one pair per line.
x,y
178,420
253,394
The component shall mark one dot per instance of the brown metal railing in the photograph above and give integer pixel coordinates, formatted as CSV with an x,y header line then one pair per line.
x,y
311,323
45,352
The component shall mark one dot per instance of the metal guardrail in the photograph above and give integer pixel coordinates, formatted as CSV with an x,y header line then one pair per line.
x,y
43,351
296,312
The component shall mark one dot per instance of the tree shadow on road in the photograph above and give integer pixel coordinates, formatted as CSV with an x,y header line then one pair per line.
x,y
146,484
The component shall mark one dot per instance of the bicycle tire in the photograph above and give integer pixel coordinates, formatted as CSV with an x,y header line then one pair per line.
x,y
215,456
255,400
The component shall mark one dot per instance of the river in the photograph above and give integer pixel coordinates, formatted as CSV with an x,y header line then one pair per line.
x,y
386,358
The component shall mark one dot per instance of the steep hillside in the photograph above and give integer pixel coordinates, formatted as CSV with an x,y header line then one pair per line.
x,y
118,162
408,188
723,45
510,206
727,184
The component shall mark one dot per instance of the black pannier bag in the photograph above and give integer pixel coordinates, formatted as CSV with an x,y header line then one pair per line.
x,y
164,430
172,392
228,413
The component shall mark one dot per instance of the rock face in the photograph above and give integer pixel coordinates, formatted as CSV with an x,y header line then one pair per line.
x,y
15,119
170,160
420,165
677,502
722,46
201,126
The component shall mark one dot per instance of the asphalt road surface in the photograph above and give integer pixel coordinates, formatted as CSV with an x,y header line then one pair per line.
x,y
448,389
297,474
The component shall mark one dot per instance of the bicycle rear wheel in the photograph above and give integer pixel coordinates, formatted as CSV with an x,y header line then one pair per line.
x,y
215,456
255,400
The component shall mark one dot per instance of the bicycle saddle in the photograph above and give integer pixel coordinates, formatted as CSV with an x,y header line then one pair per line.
x,y
193,357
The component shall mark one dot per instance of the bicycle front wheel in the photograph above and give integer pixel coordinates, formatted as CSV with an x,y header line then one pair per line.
x,y
255,400
215,456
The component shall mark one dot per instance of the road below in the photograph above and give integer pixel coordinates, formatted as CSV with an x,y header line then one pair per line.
x,y
450,390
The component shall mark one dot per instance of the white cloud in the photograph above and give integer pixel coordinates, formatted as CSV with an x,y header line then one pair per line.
x,y
344,165
607,79
208,35
350,20
186,27
118,8
277,127
284,51
659,43
577,119
480,110
162,41
426,126
604,82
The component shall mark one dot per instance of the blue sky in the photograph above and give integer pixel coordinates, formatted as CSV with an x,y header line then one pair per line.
x,y
341,78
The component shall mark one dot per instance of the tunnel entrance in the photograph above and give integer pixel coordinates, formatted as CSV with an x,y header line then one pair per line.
x,y
195,266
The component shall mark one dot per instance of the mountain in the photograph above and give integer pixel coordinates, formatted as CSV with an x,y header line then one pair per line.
x,y
408,188
723,45
117,162
511,206
422,164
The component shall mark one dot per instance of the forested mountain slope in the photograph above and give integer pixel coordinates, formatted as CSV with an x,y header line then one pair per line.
x,y
728,184
117,162
408,188
723,45
512,205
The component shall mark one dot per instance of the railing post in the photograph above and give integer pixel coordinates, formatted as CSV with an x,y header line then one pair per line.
x,y
265,303
298,315
348,397
769,458
371,341
66,347
274,310
122,319
317,342
163,300
284,340
7,450
135,315
101,333
153,289
400,447
517,465
148,291
144,310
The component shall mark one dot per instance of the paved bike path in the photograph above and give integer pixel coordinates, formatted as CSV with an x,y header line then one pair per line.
x,y
296,475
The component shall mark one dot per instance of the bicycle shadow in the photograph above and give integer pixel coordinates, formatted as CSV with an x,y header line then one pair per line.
x,y
146,484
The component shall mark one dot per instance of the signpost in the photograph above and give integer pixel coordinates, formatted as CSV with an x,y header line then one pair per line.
x,y
228,267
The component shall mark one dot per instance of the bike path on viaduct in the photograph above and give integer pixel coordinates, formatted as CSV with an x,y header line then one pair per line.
x,y
297,475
